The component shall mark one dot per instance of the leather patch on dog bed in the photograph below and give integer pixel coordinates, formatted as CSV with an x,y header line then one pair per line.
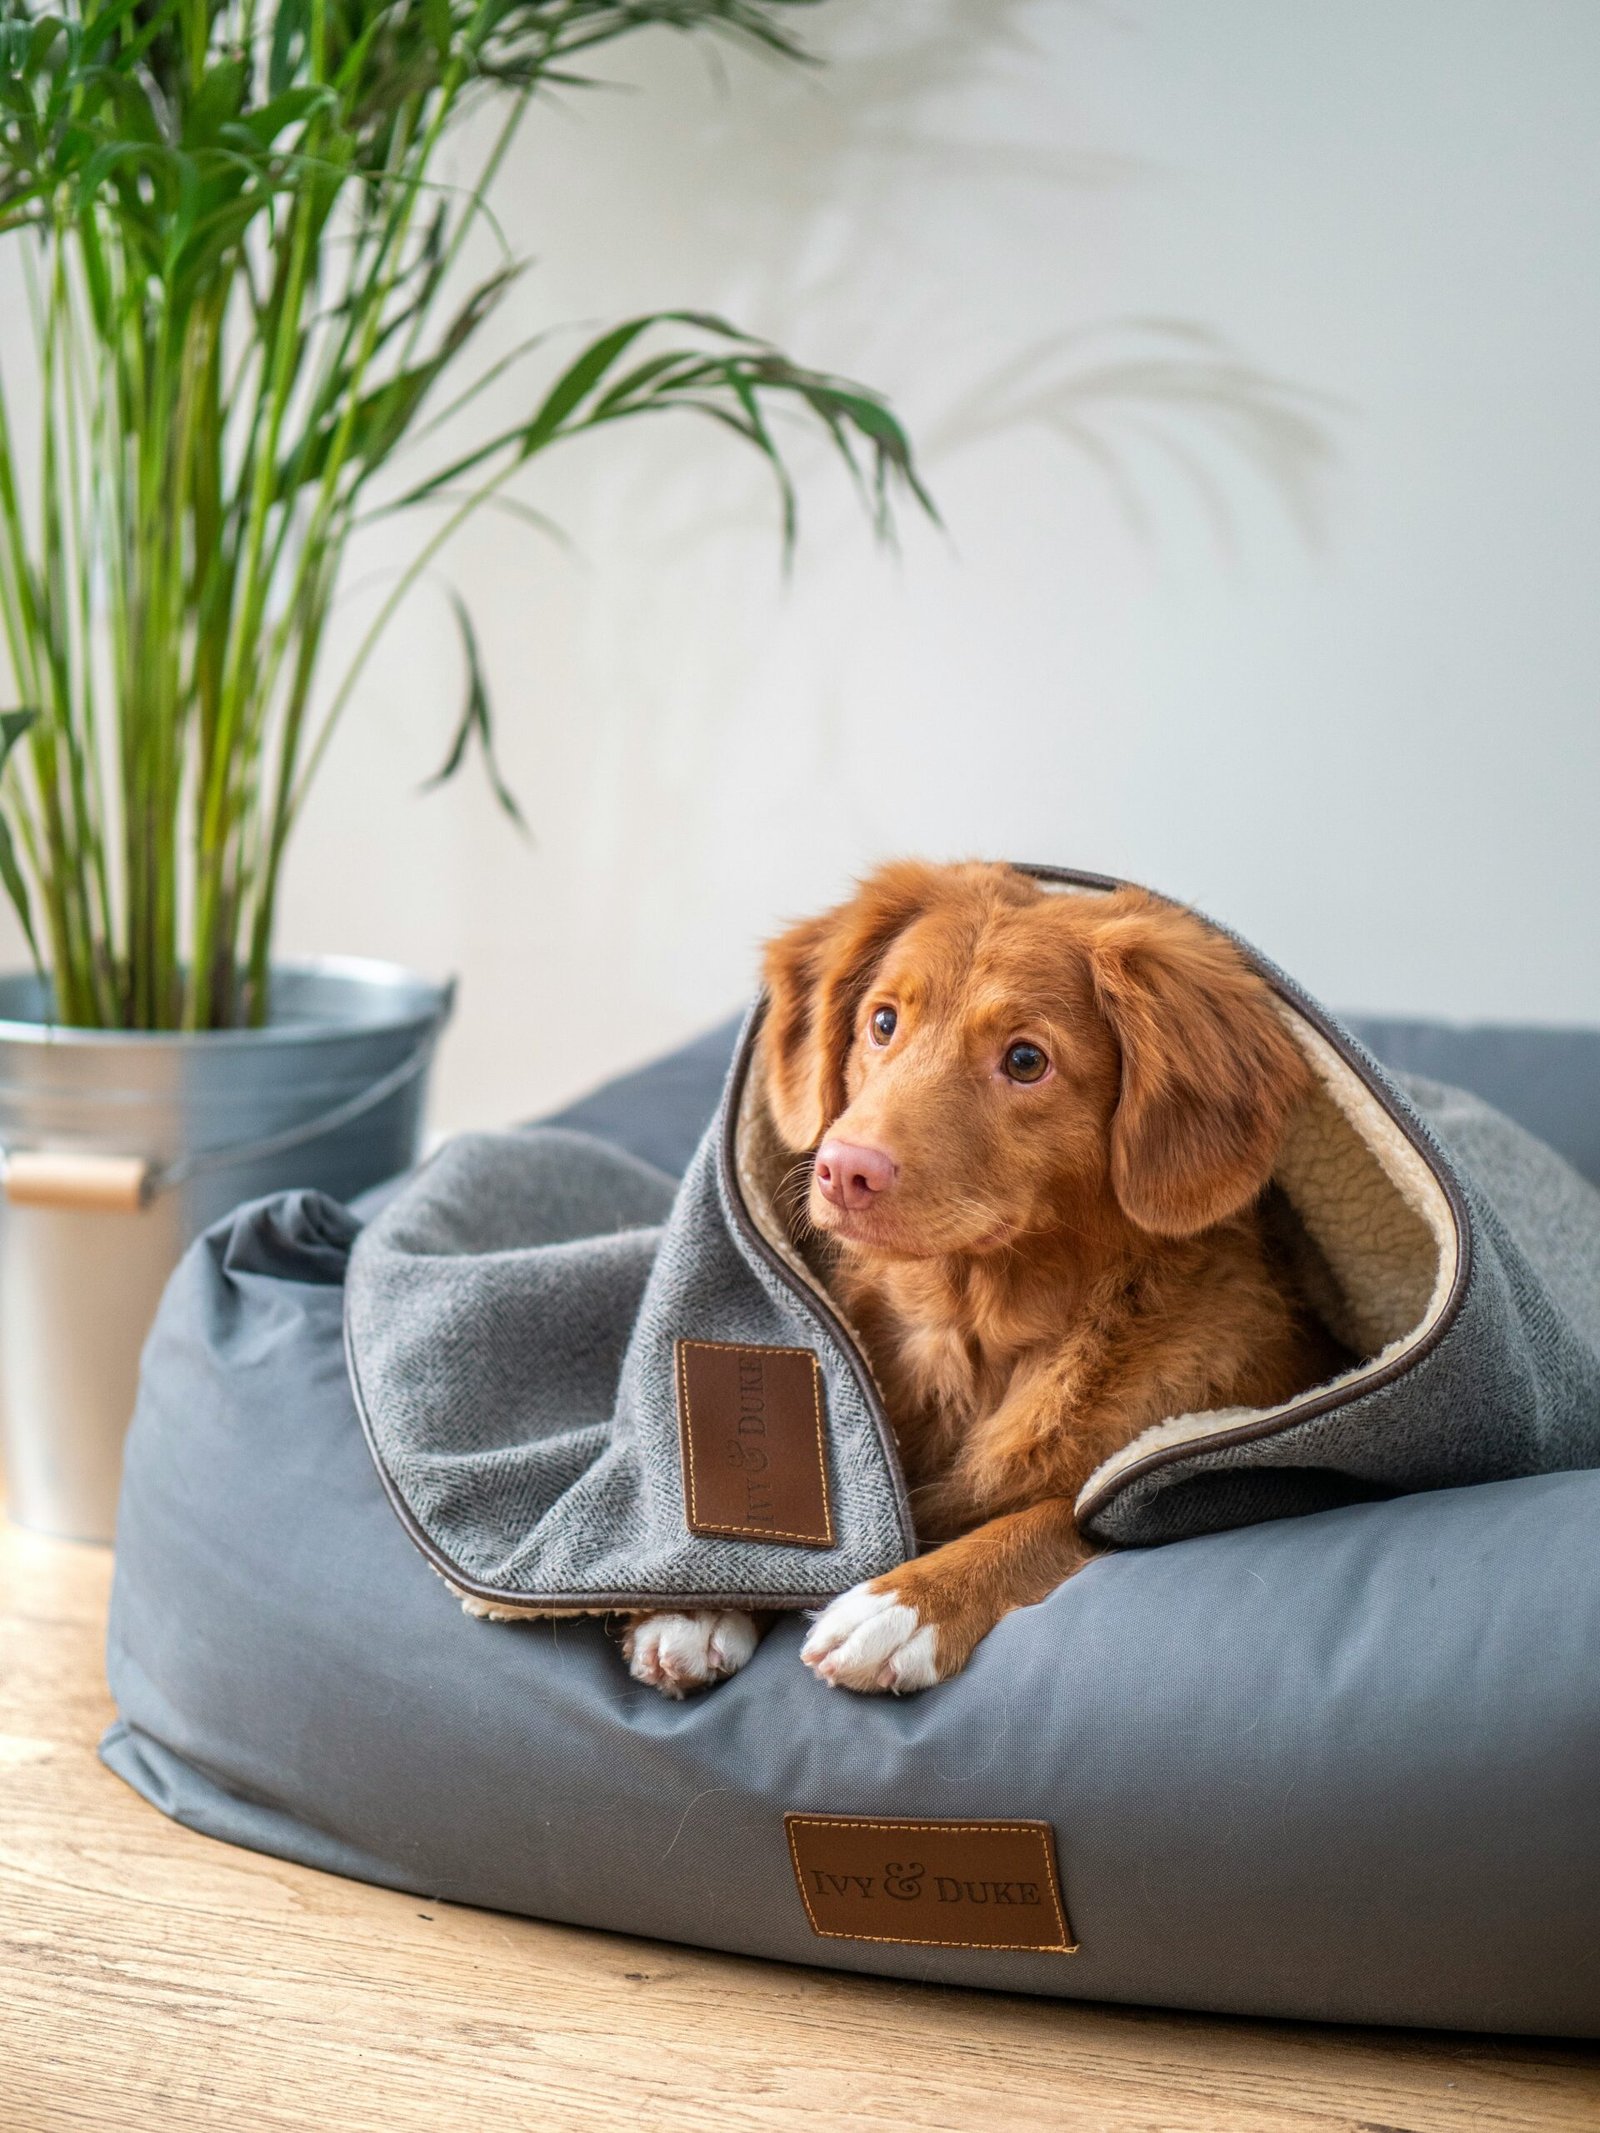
x,y
933,1884
750,1427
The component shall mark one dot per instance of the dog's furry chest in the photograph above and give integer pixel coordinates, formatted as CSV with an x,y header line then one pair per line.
x,y
939,1379
1000,1396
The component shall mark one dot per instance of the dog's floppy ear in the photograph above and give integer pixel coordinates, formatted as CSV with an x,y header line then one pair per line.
x,y
817,974
1210,1075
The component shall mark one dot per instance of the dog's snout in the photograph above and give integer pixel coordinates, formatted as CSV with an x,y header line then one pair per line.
x,y
852,1176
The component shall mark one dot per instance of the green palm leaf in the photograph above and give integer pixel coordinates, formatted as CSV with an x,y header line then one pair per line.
x,y
245,305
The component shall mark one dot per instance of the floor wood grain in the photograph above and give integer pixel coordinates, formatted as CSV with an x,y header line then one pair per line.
x,y
156,1982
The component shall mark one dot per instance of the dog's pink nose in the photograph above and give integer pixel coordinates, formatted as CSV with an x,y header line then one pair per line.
x,y
852,1176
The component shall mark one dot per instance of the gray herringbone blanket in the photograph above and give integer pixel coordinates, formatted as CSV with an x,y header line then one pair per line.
x,y
586,1388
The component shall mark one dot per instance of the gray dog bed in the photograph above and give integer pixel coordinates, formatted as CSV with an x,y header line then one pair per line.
x,y
1340,1766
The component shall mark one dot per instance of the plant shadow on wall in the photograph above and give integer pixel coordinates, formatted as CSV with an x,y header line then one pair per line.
x,y
239,262
822,196
853,167
1171,385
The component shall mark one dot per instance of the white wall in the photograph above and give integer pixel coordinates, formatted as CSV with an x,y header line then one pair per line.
x,y
1375,750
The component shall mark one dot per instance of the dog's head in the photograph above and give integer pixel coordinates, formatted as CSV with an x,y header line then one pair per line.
x,y
975,1060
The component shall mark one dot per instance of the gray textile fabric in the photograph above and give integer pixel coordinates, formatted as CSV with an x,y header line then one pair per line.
x,y
511,1322
660,1113
1511,1386
1546,1079
1339,1768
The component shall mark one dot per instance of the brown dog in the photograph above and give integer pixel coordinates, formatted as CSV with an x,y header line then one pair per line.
x,y
1042,1125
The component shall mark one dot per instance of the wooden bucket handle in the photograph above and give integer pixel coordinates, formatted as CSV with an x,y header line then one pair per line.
x,y
89,1184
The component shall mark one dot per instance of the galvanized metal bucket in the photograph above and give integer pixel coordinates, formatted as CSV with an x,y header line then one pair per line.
x,y
120,1147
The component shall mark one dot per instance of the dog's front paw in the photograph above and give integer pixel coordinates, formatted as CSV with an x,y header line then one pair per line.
x,y
679,1653
874,1641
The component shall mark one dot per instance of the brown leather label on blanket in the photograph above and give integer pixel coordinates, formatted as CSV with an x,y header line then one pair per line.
x,y
755,1453
930,1884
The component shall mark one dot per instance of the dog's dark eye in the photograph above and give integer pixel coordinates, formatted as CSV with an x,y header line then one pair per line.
x,y
1025,1062
883,1024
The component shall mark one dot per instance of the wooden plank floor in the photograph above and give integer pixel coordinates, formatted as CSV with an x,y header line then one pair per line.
x,y
157,1982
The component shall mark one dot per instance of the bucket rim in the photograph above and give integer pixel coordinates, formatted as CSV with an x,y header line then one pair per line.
x,y
363,974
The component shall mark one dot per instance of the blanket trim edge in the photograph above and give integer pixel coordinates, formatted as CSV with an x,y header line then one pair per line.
x,y
1415,1130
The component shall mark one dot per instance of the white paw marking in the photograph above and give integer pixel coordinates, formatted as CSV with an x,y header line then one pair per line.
x,y
677,1653
872,1641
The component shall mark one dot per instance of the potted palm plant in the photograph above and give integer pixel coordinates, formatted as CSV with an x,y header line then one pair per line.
x,y
236,285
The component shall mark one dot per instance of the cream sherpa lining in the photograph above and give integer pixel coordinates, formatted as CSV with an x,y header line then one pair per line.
x,y
1380,1225
1382,1246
